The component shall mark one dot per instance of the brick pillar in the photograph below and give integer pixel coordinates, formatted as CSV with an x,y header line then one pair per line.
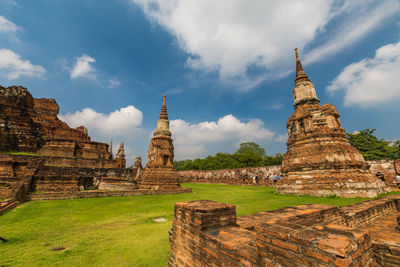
x,y
192,220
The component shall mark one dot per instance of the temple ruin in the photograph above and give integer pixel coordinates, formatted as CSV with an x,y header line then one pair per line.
x,y
61,162
159,172
320,160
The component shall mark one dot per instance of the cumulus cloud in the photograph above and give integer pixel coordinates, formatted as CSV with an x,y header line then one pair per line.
x,y
234,36
12,66
194,140
371,81
83,68
123,122
230,35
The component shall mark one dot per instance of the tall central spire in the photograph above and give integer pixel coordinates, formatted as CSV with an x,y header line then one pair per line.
x,y
163,123
303,90
164,114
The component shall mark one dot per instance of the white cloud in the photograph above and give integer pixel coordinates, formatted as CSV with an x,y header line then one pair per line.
x,y
364,18
371,81
7,26
282,138
113,82
12,66
123,122
195,140
231,36
9,30
83,68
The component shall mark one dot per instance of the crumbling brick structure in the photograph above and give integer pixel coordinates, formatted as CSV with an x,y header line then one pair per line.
x,y
137,168
159,172
66,164
18,130
207,233
320,161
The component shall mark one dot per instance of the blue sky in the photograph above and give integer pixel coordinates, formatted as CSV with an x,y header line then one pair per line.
x,y
227,66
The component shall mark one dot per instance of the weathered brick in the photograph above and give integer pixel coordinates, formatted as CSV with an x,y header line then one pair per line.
x,y
285,245
317,255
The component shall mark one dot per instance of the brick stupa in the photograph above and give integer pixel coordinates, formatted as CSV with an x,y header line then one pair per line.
x,y
159,172
320,160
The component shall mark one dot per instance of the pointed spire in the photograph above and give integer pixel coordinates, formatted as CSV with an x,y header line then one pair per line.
x,y
164,114
300,73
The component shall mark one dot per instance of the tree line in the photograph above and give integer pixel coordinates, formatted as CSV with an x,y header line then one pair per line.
x,y
251,154
373,148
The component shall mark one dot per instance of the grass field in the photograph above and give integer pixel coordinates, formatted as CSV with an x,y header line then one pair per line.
x,y
118,231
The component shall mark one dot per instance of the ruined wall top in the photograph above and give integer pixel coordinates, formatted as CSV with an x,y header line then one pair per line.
x,y
46,106
14,91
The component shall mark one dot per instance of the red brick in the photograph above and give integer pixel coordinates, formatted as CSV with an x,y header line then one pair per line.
x,y
246,263
285,245
317,255
235,242
340,262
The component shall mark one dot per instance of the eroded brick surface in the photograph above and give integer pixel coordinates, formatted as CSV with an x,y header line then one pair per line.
x,y
159,172
68,164
307,235
320,160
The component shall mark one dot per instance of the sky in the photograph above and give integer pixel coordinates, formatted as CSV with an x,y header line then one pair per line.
x,y
226,66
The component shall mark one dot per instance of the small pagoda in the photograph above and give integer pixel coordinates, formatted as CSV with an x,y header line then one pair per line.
x,y
159,173
320,161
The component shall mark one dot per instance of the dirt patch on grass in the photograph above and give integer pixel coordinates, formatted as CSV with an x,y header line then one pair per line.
x,y
57,249
158,220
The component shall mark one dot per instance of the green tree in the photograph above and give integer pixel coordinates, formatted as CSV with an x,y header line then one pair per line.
x,y
373,148
249,154
251,147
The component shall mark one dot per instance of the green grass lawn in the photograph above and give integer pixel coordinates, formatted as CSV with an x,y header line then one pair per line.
x,y
118,231
18,153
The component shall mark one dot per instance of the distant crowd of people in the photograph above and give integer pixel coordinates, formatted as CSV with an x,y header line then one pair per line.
x,y
274,178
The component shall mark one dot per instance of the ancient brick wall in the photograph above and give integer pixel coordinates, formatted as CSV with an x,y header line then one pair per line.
x,y
386,167
31,125
242,176
18,131
46,111
11,170
206,233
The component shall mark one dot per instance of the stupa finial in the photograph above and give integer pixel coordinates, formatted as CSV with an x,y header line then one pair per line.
x,y
164,114
300,73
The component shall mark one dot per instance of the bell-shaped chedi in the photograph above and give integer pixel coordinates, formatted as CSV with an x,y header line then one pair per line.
x,y
320,160
159,172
